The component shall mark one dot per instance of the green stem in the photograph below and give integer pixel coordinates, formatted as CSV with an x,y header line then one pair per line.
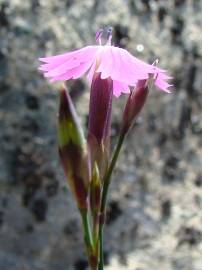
x,y
107,181
107,177
96,245
101,262
87,235
95,217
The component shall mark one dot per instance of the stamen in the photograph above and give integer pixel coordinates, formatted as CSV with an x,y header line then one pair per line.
x,y
153,76
155,62
109,35
98,36
155,65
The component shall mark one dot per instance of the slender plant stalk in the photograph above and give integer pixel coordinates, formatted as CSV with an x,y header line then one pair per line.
x,y
87,236
96,244
107,181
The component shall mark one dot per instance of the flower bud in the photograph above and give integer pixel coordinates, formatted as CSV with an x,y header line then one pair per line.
x,y
100,120
134,104
73,150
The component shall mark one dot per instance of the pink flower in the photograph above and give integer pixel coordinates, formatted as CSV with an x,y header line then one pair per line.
x,y
124,69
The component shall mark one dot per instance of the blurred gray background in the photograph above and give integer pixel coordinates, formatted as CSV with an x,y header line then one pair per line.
x,y
155,206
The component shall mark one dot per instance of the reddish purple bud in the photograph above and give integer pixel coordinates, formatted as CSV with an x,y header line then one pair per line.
x,y
73,150
134,104
100,119
100,108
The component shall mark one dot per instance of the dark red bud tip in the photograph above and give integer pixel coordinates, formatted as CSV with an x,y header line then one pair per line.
x,y
67,109
64,104
69,128
134,104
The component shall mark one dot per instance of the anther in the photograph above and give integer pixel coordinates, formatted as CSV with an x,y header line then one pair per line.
x,y
155,63
109,35
98,36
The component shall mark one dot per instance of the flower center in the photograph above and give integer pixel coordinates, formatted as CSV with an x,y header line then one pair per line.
x,y
105,34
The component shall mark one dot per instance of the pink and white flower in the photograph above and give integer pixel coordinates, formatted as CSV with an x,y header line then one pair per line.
x,y
124,69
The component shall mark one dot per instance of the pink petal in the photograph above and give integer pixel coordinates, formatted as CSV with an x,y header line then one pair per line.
x,y
91,72
163,85
63,68
78,54
52,66
161,80
69,65
119,88
72,73
121,66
